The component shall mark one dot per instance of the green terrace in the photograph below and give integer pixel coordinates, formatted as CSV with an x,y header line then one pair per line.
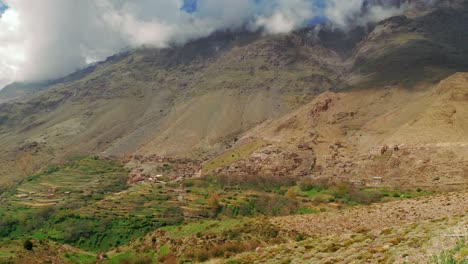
x,y
87,203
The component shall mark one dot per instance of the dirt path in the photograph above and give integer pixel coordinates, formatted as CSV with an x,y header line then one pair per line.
x,y
378,216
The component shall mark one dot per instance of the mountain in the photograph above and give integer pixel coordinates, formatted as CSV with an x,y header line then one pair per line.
x,y
141,97
194,152
17,90
195,100
375,137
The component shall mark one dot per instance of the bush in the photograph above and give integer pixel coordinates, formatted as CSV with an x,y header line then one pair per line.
x,y
364,196
300,237
202,255
291,194
257,182
222,250
168,259
319,183
272,205
28,245
51,169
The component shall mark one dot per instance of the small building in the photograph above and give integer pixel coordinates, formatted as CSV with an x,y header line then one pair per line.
x,y
379,179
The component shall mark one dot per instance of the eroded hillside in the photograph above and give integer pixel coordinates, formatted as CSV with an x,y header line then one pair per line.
x,y
196,101
316,146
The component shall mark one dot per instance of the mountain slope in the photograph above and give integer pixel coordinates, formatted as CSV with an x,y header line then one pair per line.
x,y
375,137
145,95
196,100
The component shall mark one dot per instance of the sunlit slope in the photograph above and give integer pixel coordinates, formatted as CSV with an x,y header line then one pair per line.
x,y
394,135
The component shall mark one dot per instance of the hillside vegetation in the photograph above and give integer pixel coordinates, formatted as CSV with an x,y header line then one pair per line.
x,y
316,146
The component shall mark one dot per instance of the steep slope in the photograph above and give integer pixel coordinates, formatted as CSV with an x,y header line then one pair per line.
x,y
374,137
182,101
195,101
423,46
17,90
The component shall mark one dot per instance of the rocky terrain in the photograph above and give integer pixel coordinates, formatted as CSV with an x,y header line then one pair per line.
x,y
316,146
163,101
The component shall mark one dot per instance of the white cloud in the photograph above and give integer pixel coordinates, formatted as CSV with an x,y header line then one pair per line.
x,y
346,14
287,15
47,39
10,55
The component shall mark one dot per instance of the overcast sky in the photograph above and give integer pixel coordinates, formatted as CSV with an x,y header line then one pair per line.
x,y
46,39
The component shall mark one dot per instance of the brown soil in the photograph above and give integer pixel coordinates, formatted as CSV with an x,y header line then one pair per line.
x,y
378,216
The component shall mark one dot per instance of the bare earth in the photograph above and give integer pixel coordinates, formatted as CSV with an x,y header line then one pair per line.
x,y
378,216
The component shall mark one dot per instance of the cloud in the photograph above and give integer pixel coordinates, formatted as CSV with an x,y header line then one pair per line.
x,y
345,14
285,15
46,39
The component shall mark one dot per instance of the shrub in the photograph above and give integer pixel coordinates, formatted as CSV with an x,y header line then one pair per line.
x,y
202,255
168,259
222,250
28,245
318,183
291,194
213,204
258,182
300,237
364,196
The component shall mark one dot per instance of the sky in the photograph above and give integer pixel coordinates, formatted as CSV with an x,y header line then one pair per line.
x,y
47,39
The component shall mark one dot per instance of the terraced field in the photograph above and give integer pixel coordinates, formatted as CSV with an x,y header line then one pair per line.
x,y
73,182
88,204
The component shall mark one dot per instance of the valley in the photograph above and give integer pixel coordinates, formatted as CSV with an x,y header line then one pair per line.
x,y
321,145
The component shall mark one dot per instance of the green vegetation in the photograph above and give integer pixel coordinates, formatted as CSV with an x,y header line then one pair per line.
x,y
457,255
63,204
322,191
82,258
87,204
215,226
232,156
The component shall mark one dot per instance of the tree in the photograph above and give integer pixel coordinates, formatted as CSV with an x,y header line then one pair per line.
x,y
213,203
28,245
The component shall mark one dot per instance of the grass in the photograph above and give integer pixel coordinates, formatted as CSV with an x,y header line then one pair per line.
x,y
80,258
320,193
82,218
457,255
232,156
306,211
103,213
215,226
118,258
163,251
82,178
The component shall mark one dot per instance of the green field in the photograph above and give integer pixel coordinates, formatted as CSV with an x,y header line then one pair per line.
x,y
87,204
